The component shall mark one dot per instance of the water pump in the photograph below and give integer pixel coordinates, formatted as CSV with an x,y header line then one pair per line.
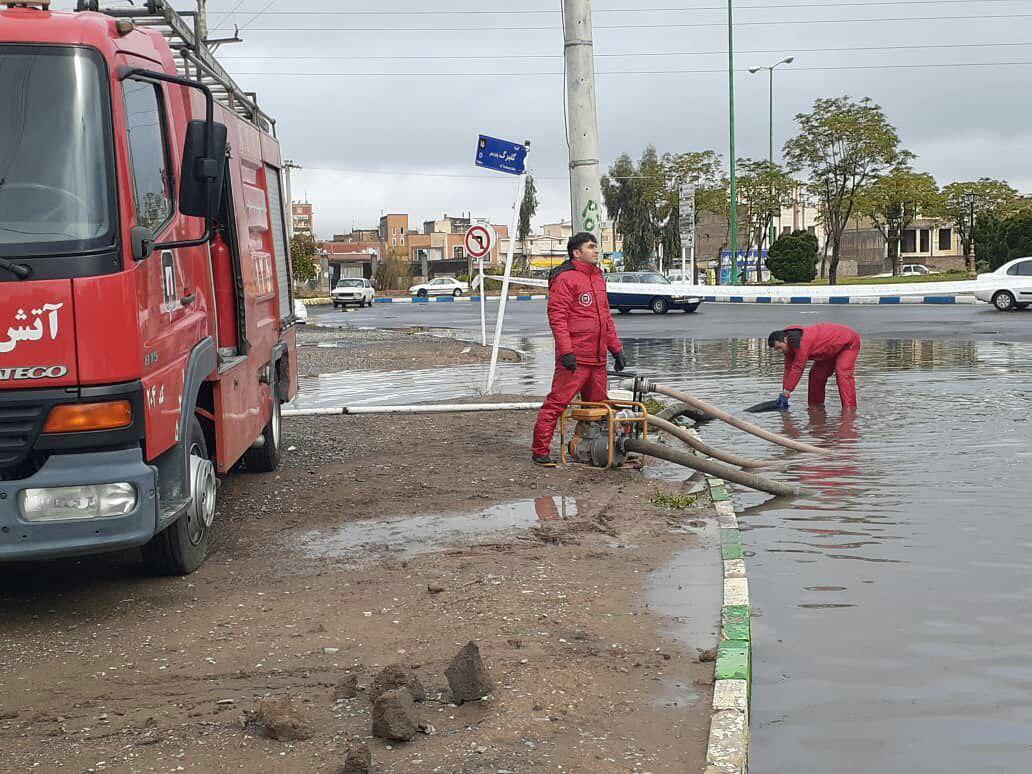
x,y
600,431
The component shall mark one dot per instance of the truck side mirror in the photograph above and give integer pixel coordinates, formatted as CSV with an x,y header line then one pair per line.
x,y
203,173
142,239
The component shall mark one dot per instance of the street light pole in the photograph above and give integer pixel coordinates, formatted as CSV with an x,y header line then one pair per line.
x,y
731,122
770,103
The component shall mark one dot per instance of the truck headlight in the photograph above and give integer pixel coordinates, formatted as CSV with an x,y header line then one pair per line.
x,y
77,502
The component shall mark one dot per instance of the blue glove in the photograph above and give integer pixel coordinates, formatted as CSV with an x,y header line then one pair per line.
x,y
782,402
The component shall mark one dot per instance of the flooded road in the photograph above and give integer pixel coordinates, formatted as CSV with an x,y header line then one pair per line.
x,y
892,630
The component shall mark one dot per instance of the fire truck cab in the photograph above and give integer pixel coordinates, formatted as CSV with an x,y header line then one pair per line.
x,y
147,332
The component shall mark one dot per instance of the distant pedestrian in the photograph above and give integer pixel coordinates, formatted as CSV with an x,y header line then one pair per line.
x,y
833,349
583,327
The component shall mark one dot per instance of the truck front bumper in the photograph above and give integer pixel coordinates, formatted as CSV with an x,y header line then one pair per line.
x,y
22,540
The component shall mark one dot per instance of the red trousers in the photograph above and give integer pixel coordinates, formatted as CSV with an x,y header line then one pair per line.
x,y
589,381
842,365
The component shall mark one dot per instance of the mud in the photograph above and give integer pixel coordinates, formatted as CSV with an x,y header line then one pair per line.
x,y
105,669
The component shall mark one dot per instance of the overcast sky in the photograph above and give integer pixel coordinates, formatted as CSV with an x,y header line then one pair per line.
x,y
371,142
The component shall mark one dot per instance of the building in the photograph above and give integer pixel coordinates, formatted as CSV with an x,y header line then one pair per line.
x,y
393,232
928,241
546,250
301,218
440,250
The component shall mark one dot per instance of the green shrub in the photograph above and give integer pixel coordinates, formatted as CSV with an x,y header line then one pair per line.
x,y
793,257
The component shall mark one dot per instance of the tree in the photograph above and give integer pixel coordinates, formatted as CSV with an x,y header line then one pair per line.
x,y
894,200
964,203
390,270
763,189
634,196
528,207
1002,239
302,257
843,144
793,257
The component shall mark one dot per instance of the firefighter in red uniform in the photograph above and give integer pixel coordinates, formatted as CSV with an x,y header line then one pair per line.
x,y
578,311
832,348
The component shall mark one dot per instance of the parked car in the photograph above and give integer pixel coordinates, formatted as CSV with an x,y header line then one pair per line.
x,y
439,286
676,275
1012,286
647,290
353,291
915,270
300,312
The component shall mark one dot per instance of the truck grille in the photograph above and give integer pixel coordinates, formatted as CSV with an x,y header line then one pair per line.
x,y
19,426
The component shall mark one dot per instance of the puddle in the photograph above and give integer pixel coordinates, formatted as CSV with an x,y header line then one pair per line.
x,y
409,536
687,591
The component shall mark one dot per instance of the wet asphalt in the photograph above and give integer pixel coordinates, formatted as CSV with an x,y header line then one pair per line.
x,y
978,322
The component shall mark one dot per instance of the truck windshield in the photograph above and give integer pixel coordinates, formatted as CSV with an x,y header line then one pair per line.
x,y
56,195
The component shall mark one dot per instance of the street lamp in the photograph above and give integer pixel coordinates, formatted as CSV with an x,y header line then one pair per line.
x,y
731,121
970,199
770,70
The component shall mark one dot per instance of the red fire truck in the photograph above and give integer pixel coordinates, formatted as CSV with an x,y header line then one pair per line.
x,y
147,332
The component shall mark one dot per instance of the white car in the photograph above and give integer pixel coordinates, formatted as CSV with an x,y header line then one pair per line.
x,y
439,286
353,291
300,312
1011,286
915,270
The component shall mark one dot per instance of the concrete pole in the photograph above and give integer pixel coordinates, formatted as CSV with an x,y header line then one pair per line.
x,y
582,129
202,18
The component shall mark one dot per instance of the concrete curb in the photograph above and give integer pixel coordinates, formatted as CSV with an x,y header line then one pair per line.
x,y
728,748
880,300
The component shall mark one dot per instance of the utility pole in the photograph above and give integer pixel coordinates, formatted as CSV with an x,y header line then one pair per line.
x,y
202,19
289,165
731,121
582,128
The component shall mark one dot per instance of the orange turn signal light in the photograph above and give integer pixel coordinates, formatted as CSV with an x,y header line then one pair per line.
x,y
84,417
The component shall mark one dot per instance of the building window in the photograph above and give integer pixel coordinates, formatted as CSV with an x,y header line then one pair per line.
x,y
926,240
403,241
909,241
945,239
394,242
812,230
458,253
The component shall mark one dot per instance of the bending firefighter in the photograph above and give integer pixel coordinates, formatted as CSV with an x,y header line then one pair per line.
x,y
578,312
832,348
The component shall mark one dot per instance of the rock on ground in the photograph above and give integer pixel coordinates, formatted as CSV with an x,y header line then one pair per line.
x,y
346,688
467,675
394,716
358,759
396,676
278,719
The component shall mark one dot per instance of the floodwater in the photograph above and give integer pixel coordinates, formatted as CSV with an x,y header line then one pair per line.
x,y
408,536
892,624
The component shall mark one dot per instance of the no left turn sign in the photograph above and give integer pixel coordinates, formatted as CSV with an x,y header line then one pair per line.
x,y
480,240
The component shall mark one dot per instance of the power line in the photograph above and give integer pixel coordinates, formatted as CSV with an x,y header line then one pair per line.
x,y
453,57
776,22
939,65
668,9
263,11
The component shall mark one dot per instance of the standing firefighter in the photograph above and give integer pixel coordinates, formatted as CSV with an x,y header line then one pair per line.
x,y
832,348
578,312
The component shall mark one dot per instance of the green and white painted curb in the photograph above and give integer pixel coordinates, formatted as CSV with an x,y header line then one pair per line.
x,y
728,748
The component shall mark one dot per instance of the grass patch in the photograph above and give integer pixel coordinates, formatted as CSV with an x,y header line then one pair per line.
x,y
948,276
653,406
673,502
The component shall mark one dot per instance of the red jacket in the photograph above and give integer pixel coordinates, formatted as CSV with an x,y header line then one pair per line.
x,y
578,311
823,341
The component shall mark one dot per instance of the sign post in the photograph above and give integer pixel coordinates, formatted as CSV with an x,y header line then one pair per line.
x,y
687,223
480,241
510,158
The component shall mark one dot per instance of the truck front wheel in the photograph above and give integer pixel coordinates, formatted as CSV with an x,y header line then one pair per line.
x,y
183,546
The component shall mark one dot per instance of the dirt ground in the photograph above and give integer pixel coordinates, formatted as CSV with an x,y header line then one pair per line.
x,y
329,350
351,558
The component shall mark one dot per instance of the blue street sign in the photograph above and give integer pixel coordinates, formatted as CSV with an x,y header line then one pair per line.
x,y
501,155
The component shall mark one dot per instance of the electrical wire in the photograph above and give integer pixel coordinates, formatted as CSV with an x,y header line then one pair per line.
x,y
723,71
471,57
674,9
685,25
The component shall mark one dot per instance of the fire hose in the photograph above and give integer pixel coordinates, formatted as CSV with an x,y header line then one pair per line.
x,y
709,467
689,438
723,416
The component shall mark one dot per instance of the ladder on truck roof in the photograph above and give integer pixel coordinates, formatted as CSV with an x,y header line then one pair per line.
x,y
193,57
